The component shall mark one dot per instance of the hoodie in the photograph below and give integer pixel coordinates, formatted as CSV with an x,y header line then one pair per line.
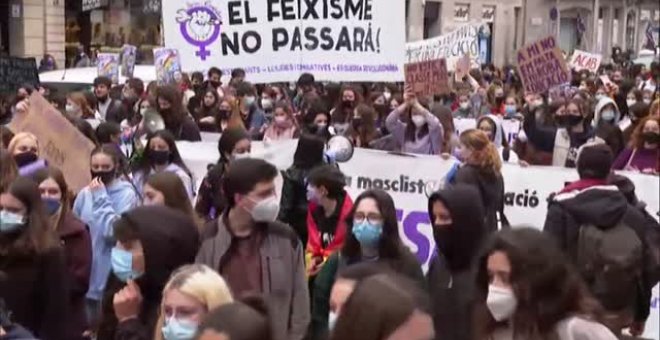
x,y
169,240
98,210
451,278
609,131
588,201
506,154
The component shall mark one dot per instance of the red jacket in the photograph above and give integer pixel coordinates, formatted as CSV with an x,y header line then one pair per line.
x,y
314,244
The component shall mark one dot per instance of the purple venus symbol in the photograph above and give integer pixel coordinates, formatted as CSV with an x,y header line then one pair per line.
x,y
200,26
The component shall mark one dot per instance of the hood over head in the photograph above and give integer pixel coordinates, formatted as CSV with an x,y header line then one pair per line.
x,y
467,230
599,108
499,131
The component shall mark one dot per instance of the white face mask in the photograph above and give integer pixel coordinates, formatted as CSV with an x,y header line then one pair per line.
x,y
72,110
464,105
418,120
608,115
332,320
501,302
243,155
266,210
631,102
537,103
387,95
647,101
266,103
280,120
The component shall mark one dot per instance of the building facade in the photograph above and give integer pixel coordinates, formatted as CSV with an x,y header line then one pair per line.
x,y
592,25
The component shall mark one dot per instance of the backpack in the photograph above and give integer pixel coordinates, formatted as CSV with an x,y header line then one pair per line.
x,y
610,261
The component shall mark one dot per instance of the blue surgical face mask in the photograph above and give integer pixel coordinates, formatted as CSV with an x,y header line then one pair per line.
x,y
52,205
366,233
175,329
608,115
510,109
10,221
122,264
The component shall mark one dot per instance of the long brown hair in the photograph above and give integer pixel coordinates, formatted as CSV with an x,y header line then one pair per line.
x,y
57,176
546,286
80,100
36,237
367,129
8,169
484,153
176,196
636,141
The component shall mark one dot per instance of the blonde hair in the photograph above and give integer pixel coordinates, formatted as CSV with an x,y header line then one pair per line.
x,y
484,153
197,281
18,138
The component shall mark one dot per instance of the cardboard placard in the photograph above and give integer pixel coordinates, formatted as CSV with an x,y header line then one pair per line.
x,y
16,72
108,66
582,60
541,65
427,78
60,143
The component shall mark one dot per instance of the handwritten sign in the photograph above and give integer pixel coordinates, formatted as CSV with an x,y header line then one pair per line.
x,y
582,60
542,66
451,47
108,66
427,78
60,143
15,72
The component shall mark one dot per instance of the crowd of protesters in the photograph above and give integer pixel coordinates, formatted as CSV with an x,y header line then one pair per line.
x,y
143,252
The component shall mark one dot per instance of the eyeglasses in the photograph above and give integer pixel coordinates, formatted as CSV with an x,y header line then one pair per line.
x,y
372,218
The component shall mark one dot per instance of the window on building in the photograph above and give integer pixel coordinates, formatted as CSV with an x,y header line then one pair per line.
x,y
431,19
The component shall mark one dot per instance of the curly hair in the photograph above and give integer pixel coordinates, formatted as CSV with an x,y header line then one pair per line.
x,y
484,153
636,141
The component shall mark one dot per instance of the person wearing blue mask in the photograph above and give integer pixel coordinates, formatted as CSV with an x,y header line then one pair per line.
x,y
372,235
254,118
151,243
76,242
98,205
191,292
33,275
606,124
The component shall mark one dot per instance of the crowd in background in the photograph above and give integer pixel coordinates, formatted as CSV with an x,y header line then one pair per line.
x,y
143,252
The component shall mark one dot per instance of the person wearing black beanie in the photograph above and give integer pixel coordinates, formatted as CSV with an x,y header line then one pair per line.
x,y
593,222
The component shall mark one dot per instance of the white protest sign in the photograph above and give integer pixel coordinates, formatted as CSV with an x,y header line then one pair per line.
x,y
277,40
451,47
582,60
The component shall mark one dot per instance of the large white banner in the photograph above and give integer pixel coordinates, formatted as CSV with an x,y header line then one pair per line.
x,y
277,40
451,46
411,179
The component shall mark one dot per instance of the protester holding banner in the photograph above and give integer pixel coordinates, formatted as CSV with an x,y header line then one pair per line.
x,y
74,237
24,147
234,144
34,282
481,169
372,235
161,154
177,121
414,128
643,154
526,287
98,205
459,232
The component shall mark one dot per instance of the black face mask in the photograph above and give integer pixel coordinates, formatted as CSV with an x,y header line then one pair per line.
x,y
25,158
347,104
224,114
443,239
382,109
160,157
106,176
357,122
214,83
568,120
651,137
